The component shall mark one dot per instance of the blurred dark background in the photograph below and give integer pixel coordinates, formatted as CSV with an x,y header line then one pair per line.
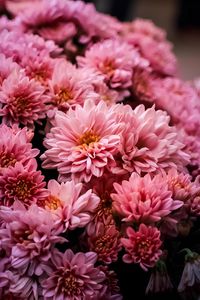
x,y
180,18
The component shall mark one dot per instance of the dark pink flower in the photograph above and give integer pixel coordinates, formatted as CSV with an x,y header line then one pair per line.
x,y
105,241
111,288
142,246
14,147
21,100
74,277
23,184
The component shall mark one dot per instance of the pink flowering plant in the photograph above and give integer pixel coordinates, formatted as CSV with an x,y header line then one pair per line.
x,y
99,158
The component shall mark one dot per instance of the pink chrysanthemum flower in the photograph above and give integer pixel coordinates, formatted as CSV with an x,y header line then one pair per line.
x,y
144,27
6,68
144,199
21,100
38,66
105,241
14,147
70,206
82,142
152,145
142,246
70,86
24,184
74,277
111,288
30,234
114,60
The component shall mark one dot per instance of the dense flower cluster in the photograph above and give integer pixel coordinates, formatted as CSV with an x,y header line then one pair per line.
x,y
99,154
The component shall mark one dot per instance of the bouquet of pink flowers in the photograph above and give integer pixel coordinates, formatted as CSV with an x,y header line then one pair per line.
x,y
99,158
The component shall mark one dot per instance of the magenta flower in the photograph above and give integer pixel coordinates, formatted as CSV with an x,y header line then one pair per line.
x,y
144,199
23,184
74,277
142,246
82,142
105,241
30,234
71,207
14,147
21,100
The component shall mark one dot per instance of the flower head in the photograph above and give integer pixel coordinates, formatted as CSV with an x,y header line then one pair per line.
x,y
142,246
144,199
30,235
72,208
74,277
21,100
23,184
82,142
14,147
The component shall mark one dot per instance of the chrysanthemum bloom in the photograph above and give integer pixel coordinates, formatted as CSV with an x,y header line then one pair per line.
x,y
144,27
143,84
72,208
30,234
107,95
142,246
74,277
191,272
14,147
82,142
24,184
71,86
39,19
159,281
114,60
21,100
105,241
38,66
144,199
152,145
111,288
6,68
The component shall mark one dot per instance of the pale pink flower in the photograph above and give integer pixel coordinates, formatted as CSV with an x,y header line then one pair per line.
x,y
191,272
159,281
142,246
114,60
74,277
109,96
30,234
152,145
105,241
82,142
144,199
72,208
21,100
70,86
15,147
21,183
146,28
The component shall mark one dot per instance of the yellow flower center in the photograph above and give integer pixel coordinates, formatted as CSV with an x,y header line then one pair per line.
x,y
64,95
7,159
52,202
108,67
21,189
88,138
